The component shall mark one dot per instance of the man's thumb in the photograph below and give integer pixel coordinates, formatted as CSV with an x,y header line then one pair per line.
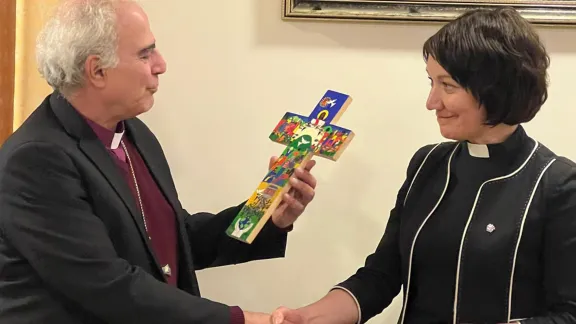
x,y
279,315
273,160
283,315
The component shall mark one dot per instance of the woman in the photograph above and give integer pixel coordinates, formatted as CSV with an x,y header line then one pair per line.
x,y
484,227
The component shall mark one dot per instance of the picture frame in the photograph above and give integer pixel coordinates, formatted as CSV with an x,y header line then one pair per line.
x,y
539,12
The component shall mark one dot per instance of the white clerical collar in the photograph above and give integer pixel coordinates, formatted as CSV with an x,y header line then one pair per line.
x,y
118,134
478,150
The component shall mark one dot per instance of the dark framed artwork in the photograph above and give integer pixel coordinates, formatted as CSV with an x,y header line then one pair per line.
x,y
542,12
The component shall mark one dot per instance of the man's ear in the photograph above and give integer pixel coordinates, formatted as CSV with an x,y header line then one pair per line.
x,y
95,74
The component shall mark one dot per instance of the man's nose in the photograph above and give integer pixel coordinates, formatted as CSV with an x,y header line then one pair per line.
x,y
159,66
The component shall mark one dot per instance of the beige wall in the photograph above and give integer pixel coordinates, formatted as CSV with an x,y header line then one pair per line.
x,y
226,63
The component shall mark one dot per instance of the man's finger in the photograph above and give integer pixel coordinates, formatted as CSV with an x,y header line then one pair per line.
x,y
309,165
305,191
273,160
306,177
293,203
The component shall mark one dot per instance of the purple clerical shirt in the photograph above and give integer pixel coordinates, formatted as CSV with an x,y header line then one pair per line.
x,y
160,217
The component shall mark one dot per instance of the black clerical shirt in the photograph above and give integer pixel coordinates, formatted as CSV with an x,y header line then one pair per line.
x,y
436,260
491,241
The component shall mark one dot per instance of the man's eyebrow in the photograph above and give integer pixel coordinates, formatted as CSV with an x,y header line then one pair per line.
x,y
147,49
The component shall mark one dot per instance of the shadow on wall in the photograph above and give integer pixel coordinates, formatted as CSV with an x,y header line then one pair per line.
x,y
271,30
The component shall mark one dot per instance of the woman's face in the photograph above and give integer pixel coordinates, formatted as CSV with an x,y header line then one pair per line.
x,y
458,113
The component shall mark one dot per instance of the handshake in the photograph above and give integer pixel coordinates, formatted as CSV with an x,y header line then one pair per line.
x,y
281,315
337,307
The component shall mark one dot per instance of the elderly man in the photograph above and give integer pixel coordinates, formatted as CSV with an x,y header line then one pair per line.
x,y
91,228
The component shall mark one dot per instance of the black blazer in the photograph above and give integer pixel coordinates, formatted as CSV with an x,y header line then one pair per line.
x,y
525,271
72,248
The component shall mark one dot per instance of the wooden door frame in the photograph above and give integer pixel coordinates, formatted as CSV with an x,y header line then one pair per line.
x,y
7,62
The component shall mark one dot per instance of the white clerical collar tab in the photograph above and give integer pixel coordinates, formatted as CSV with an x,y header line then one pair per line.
x,y
116,140
478,150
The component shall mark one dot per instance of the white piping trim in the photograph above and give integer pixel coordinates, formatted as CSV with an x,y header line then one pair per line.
x,y
517,319
405,304
456,296
355,300
520,238
418,171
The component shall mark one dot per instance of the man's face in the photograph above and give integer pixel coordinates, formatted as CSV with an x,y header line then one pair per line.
x,y
130,86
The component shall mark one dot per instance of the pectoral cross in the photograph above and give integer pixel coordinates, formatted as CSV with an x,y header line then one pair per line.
x,y
304,137
166,269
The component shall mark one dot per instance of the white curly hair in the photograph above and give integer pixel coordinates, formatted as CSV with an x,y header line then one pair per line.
x,y
78,29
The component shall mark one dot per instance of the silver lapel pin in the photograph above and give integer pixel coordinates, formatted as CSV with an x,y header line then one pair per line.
x,y
490,228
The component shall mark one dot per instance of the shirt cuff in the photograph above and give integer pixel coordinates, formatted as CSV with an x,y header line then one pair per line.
x,y
287,229
236,315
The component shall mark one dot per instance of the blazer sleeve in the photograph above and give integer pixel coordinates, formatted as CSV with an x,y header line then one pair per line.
x,y
46,216
378,282
212,247
559,253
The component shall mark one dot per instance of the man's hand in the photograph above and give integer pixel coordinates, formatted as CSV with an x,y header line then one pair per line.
x,y
283,315
337,307
256,318
262,318
294,202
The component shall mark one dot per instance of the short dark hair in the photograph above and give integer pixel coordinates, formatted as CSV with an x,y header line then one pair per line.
x,y
498,57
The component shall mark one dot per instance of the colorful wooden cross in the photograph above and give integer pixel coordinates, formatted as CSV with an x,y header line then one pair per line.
x,y
304,137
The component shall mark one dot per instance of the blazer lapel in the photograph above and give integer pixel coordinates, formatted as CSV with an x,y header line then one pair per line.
x,y
428,190
89,143
148,154
104,162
